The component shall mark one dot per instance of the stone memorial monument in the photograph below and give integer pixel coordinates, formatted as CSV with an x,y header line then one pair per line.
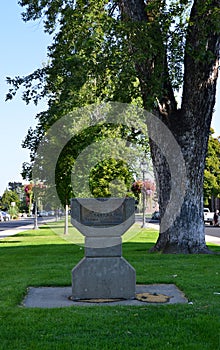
x,y
103,273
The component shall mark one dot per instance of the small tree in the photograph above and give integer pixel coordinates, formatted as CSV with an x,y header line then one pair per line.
x,y
28,189
148,186
110,178
211,185
9,197
10,202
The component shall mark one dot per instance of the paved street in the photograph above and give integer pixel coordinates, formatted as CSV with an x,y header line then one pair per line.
x,y
212,231
9,225
13,227
209,230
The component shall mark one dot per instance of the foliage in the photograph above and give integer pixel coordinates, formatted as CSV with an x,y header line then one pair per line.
x,y
110,178
15,186
90,59
212,169
13,211
147,185
28,189
34,192
8,197
79,169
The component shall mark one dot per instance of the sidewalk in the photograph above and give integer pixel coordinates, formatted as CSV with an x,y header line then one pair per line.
x,y
212,239
16,230
208,238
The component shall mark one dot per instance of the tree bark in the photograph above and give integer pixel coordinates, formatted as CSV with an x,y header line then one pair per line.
x,y
183,232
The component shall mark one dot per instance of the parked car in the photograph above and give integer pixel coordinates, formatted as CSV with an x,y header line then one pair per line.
x,y
43,213
4,216
155,215
208,216
51,213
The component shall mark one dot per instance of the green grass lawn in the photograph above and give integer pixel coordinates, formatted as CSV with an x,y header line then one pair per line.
x,y
46,258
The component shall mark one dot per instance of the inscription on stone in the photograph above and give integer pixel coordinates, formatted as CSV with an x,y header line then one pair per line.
x,y
93,218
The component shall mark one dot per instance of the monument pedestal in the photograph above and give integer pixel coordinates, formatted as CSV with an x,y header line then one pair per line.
x,y
103,273
103,278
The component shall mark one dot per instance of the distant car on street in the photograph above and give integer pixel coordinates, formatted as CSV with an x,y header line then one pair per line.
x,y
4,216
155,215
208,216
43,213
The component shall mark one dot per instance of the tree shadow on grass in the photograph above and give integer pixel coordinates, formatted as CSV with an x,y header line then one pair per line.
x,y
129,247
146,246
3,241
214,248
52,227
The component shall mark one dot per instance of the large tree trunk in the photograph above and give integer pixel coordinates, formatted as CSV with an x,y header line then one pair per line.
x,y
182,228
190,127
182,231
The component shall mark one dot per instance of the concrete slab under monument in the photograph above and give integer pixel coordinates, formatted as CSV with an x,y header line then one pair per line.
x,y
58,297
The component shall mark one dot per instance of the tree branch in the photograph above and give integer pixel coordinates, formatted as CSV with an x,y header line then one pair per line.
x,y
154,66
201,58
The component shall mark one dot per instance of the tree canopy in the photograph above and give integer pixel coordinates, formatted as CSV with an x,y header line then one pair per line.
x,y
8,197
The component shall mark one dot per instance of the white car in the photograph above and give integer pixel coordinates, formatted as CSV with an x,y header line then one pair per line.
x,y
43,213
4,216
208,216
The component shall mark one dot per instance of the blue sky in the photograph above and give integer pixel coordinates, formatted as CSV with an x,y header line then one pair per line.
x,y
23,49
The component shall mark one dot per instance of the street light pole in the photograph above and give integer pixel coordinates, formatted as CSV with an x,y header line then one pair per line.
x,y
38,187
144,170
35,215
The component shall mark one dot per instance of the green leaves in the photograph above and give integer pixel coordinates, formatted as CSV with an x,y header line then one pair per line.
x,y
110,178
9,197
49,9
212,169
95,56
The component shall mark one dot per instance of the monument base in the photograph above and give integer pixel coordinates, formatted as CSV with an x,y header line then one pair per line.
x,y
108,277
